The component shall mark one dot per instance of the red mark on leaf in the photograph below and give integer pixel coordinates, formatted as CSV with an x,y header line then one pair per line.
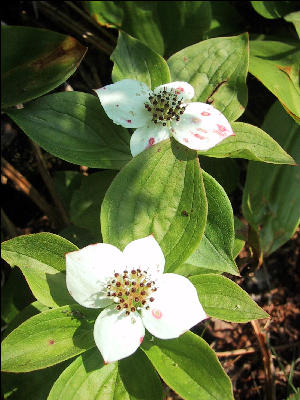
x,y
51,341
157,314
185,59
128,120
205,114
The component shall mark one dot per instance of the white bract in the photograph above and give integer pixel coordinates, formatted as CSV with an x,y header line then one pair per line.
x,y
162,113
134,293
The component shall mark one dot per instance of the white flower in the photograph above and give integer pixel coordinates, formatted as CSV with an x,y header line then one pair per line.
x,y
163,112
134,293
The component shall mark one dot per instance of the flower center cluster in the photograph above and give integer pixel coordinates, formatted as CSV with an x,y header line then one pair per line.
x,y
131,290
165,106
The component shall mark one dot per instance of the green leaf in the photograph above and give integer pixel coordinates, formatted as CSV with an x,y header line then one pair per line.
x,y
134,60
140,378
88,378
35,385
183,23
294,17
217,69
29,311
65,183
79,236
73,126
86,201
225,19
190,367
251,143
277,65
215,249
164,27
15,295
105,13
159,192
41,258
271,196
141,20
226,171
31,67
273,9
294,396
49,338
222,298
241,236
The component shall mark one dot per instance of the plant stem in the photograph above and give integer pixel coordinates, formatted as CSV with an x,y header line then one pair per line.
x,y
58,16
8,225
49,182
267,361
88,18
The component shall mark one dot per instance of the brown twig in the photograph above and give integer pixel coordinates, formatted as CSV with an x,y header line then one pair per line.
x,y
91,20
251,350
49,182
26,187
267,360
57,16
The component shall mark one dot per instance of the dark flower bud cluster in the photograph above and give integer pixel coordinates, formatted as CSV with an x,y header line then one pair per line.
x,y
131,291
165,106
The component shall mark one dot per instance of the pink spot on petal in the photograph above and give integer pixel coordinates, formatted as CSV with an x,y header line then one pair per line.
x,y
179,90
156,313
186,140
51,341
199,136
221,131
151,142
221,128
205,114
141,339
201,130
128,120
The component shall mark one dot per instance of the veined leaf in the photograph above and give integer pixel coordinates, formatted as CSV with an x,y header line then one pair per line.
x,y
222,298
190,367
217,69
73,126
251,143
138,202
134,60
49,338
41,258
31,67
